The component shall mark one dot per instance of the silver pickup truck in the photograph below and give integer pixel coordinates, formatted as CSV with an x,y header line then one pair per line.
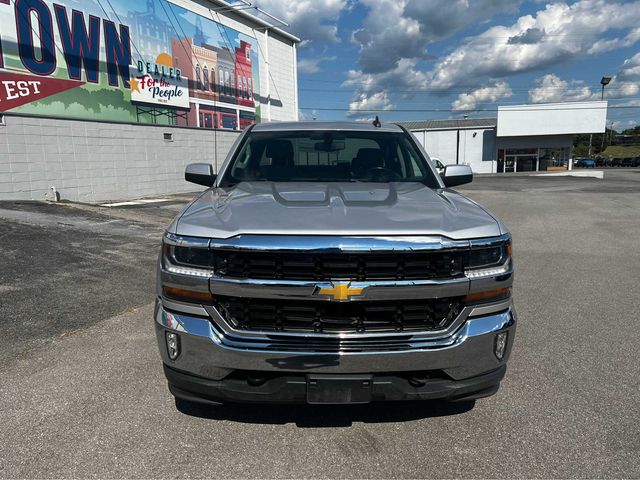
x,y
330,263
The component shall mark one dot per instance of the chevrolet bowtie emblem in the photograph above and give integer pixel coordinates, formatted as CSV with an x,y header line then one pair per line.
x,y
341,291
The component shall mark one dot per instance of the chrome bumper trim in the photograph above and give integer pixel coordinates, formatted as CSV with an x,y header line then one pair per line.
x,y
332,243
209,353
329,243
372,290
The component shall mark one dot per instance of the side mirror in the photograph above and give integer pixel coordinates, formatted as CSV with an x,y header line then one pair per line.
x,y
454,175
200,173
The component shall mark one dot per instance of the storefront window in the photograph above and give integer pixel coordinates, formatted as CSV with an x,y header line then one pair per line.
x,y
553,157
531,159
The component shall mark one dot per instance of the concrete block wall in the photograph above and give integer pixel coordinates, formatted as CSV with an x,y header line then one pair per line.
x,y
96,162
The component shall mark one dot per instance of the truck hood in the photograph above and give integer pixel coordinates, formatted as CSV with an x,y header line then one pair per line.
x,y
305,208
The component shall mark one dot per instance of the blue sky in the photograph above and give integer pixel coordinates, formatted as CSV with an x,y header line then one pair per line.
x,y
419,59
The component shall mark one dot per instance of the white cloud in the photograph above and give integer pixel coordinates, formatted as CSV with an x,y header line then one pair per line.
x,y
560,33
630,70
396,33
311,20
404,75
469,101
552,88
402,29
364,103
606,45
626,82
375,86
312,65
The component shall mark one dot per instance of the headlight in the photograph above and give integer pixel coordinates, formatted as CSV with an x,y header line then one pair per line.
x,y
187,256
484,257
191,259
490,260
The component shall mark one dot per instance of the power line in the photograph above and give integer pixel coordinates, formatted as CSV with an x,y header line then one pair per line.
x,y
448,101
427,90
348,83
450,110
120,21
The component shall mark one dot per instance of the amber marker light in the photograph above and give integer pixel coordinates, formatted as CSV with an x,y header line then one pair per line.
x,y
187,295
496,294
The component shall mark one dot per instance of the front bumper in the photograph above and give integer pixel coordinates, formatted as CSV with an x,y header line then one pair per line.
x,y
294,388
462,364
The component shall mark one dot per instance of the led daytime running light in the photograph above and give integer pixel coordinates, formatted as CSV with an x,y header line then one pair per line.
x,y
488,272
193,272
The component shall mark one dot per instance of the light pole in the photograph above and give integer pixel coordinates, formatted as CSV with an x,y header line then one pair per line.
x,y
604,81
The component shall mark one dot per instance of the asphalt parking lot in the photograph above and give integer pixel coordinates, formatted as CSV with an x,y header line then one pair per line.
x,y
82,392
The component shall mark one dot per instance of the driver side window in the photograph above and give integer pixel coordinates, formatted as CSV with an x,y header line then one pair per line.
x,y
409,164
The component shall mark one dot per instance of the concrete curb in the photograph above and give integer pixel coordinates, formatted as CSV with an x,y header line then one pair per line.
x,y
572,173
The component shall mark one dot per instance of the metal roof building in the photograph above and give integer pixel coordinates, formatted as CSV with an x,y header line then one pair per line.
x,y
521,138
450,124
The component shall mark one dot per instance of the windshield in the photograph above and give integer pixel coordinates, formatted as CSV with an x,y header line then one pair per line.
x,y
328,156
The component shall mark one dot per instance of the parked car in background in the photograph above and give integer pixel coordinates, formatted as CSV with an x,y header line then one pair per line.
x,y
628,162
602,162
616,162
585,163
438,165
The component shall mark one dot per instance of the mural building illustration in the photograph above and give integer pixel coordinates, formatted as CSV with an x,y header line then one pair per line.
x,y
107,60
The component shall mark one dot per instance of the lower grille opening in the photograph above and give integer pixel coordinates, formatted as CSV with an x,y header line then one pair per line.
x,y
340,317
258,378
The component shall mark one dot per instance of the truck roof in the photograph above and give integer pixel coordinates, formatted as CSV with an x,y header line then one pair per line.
x,y
325,125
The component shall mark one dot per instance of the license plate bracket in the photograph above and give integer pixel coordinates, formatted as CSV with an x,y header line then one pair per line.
x,y
338,389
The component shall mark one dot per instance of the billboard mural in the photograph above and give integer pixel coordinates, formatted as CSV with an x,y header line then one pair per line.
x,y
117,60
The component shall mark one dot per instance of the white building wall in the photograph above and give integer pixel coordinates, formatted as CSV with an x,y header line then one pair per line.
x,y
552,119
282,70
441,144
476,151
95,162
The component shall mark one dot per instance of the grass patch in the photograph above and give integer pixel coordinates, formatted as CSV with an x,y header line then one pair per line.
x,y
622,151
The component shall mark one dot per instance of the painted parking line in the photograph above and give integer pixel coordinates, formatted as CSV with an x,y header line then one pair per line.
x,y
136,202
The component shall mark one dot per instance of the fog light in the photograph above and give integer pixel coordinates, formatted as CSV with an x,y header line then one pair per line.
x,y
501,345
173,345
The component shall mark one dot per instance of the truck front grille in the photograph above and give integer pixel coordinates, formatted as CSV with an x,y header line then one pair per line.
x,y
351,266
322,317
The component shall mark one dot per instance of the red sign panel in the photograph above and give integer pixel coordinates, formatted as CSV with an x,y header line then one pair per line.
x,y
17,89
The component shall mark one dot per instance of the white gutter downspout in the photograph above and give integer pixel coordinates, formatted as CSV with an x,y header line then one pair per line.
x,y
266,51
295,82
